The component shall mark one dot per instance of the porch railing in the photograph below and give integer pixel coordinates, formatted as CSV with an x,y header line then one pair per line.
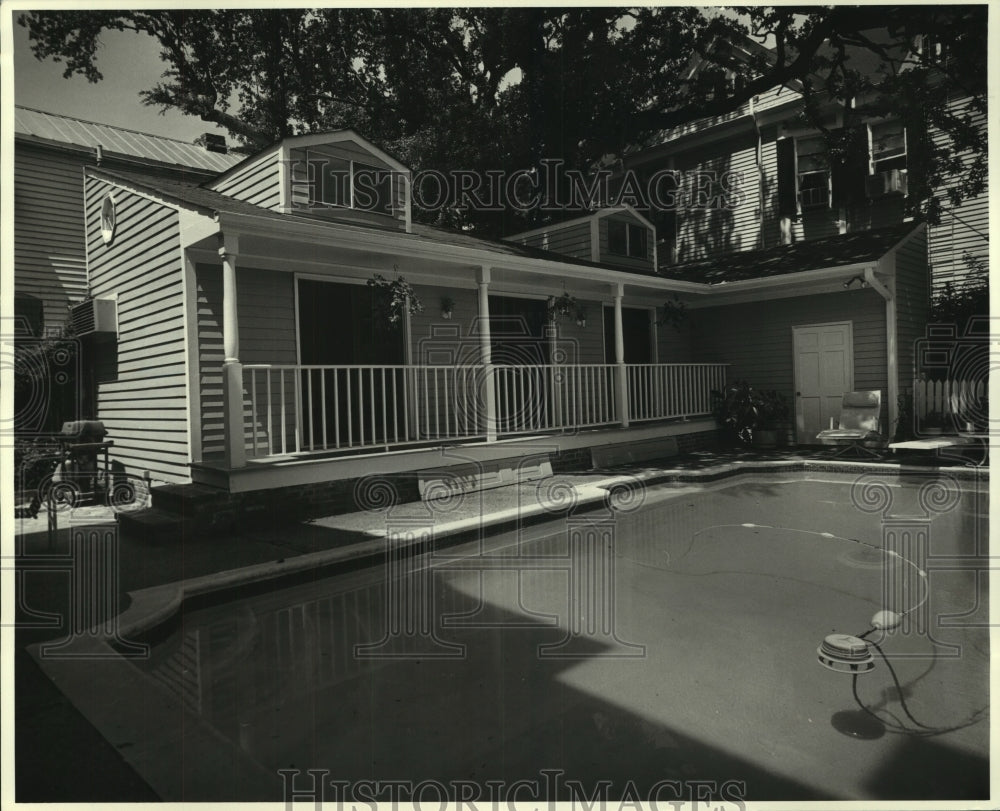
x,y
554,397
302,408
659,391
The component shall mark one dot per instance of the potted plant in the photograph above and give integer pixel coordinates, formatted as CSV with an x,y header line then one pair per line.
x,y
447,306
772,419
560,307
673,312
753,416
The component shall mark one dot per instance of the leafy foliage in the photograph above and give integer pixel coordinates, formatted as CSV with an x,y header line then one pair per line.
x,y
742,409
393,299
958,305
486,88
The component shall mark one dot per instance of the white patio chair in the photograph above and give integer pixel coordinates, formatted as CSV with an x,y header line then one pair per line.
x,y
860,422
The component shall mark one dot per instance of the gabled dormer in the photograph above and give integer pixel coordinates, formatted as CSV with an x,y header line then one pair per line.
x,y
617,235
330,175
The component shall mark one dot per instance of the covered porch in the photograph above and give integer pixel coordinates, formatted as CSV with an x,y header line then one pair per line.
x,y
477,376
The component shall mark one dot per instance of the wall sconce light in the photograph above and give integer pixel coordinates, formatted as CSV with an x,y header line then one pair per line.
x,y
447,307
582,321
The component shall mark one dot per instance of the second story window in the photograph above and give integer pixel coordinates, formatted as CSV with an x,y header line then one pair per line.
x,y
626,239
813,173
888,146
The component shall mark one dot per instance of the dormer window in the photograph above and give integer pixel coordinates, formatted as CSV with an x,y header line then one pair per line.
x,y
626,239
333,181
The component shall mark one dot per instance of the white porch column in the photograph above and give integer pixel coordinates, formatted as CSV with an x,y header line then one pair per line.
x,y
232,369
621,401
486,354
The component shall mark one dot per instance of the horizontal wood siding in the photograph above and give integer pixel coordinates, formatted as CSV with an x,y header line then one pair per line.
x,y
256,182
963,228
731,221
912,304
49,249
571,240
265,302
757,338
673,345
144,406
437,341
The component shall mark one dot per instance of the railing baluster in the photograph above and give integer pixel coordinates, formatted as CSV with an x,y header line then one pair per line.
x,y
322,404
309,409
284,422
395,409
270,415
336,408
350,408
253,408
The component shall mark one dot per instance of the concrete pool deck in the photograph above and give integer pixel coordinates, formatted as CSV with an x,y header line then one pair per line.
x,y
50,733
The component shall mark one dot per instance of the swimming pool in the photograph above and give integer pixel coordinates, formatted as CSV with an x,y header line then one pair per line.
x,y
667,648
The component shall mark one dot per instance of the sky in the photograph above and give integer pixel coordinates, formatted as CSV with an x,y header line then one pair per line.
x,y
130,62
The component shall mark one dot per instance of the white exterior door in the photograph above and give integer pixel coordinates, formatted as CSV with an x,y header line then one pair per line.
x,y
824,370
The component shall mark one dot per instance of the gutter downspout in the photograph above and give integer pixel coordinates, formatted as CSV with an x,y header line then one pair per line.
x,y
892,365
761,176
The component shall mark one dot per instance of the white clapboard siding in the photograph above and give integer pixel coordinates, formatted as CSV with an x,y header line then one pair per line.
x,y
255,181
144,406
731,224
49,254
963,228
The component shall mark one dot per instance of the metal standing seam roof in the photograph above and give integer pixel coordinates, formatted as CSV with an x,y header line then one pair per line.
x,y
76,131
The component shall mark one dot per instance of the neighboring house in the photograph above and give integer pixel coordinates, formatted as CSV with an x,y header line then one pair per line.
x,y
257,359
760,177
50,152
749,200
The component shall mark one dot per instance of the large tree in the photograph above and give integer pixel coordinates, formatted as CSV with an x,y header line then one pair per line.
x,y
498,88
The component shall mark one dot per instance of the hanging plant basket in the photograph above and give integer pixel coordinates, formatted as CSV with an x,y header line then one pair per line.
x,y
563,306
394,299
673,312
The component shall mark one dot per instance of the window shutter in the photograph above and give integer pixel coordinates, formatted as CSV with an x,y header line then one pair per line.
x,y
787,202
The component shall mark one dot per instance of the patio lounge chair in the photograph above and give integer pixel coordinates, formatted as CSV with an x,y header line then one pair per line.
x,y
859,423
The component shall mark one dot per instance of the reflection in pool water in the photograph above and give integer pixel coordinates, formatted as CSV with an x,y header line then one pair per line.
x,y
674,642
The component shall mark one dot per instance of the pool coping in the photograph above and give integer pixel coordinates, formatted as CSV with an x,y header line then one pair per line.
x,y
111,677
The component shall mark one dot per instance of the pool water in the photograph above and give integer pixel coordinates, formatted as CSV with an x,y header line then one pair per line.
x,y
674,641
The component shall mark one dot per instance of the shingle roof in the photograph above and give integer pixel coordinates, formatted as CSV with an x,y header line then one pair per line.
x,y
64,129
199,198
843,249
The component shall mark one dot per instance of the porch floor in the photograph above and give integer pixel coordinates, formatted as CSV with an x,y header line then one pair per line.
x,y
51,732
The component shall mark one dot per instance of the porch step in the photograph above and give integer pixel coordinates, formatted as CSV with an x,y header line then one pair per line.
x,y
626,452
443,482
188,499
154,524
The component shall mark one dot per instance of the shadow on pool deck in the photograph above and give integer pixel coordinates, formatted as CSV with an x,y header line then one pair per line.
x,y
61,757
